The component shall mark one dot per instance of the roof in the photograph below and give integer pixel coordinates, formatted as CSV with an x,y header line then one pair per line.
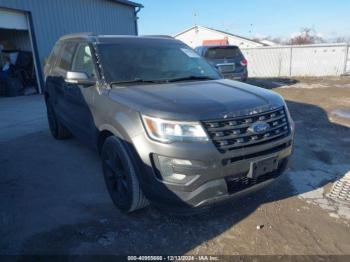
x,y
221,46
268,42
107,38
84,35
127,2
216,30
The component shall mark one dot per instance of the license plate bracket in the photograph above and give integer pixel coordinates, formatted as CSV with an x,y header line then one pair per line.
x,y
226,68
262,167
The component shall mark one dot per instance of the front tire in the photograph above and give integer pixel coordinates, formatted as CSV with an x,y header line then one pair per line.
x,y
119,169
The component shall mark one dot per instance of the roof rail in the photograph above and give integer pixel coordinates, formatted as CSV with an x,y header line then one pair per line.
x,y
78,35
160,36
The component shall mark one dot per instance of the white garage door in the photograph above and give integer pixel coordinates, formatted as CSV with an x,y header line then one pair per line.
x,y
13,20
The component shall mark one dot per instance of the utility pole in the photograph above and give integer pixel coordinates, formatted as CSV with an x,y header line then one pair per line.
x,y
251,30
195,17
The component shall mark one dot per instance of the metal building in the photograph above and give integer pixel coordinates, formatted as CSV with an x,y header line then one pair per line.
x,y
35,25
200,35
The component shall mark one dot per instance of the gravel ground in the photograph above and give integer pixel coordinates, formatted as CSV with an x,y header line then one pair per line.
x,y
53,197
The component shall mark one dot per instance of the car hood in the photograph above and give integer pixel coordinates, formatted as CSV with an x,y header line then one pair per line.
x,y
196,100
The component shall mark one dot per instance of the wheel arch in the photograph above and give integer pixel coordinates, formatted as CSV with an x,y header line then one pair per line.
x,y
124,125
106,131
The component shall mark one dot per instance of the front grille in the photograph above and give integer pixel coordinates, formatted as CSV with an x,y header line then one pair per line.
x,y
256,154
237,184
232,133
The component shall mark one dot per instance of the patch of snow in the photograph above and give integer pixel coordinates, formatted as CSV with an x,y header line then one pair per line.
x,y
343,113
341,189
333,215
342,86
311,85
344,211
309,184
305,86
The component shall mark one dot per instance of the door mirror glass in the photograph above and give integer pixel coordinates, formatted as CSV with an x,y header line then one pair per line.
x,y
80,78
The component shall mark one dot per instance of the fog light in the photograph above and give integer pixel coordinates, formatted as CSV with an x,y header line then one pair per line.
x,y
181,162
178,176
167,172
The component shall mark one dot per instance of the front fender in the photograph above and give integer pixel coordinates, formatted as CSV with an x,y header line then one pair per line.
x,y
124,125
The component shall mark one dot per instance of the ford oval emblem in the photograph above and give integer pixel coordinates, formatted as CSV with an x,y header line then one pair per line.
x,y
258,127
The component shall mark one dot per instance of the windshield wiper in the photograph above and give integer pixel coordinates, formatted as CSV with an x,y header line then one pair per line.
x,y
134,81
190,78
140,80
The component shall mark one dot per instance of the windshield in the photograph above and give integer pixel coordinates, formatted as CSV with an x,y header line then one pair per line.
x,y
223,52
152,61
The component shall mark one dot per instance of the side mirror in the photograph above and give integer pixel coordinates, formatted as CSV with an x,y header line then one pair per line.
x,y
80,78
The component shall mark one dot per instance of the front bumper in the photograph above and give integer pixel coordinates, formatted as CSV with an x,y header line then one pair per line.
x,y
215,177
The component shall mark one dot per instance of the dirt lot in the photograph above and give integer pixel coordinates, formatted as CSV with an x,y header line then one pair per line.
x,y
53,198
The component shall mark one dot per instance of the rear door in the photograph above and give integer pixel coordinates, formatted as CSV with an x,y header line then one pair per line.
x,y
59,85
50,77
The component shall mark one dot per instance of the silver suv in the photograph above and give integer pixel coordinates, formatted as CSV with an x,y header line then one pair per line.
x,y
169,130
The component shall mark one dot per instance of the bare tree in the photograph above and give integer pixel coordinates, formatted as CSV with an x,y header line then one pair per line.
x,y
306,36
276,40
342,39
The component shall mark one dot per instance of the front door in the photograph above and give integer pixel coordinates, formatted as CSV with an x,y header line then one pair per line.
x,y
79,98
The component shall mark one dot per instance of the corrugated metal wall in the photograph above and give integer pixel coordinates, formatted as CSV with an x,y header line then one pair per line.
x,y
347,63
54,18
308,60
268,61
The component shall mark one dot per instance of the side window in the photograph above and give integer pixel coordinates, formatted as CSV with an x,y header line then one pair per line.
x,y
83,61
66,57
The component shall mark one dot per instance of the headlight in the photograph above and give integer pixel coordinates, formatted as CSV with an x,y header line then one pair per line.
x,y
290,120
167,131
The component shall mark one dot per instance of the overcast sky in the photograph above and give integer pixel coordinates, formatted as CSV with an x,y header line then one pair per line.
x,y
250,18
